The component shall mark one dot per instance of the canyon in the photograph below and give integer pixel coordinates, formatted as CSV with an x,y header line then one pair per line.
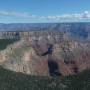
x,y
51,50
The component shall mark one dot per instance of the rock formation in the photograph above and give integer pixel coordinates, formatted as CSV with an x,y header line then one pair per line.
x,y
45,53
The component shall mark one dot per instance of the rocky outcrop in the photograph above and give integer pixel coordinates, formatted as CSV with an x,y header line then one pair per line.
x,y
44,58
47,54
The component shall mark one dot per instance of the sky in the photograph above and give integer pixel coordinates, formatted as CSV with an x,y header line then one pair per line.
x,y
44,11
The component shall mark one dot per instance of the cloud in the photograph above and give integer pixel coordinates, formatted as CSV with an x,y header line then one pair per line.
x,y
74,16
17,14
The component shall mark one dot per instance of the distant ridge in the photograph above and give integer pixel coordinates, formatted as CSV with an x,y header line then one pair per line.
x,y
74,30
39,26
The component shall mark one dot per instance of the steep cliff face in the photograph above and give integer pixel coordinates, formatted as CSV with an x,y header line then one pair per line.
x,y
47,54
21,57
